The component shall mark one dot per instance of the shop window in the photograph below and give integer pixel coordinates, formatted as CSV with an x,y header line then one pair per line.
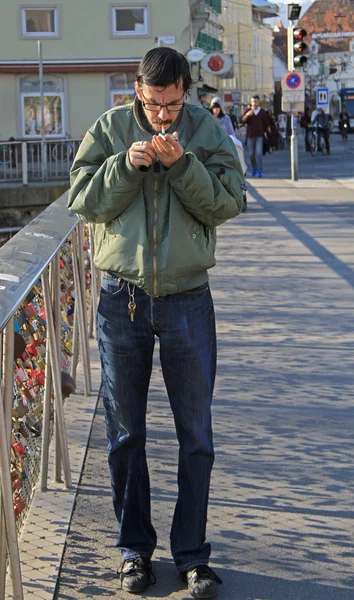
x,y
132,20
40,22
54,114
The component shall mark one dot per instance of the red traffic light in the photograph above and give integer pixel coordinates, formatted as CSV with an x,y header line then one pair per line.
x,y
299,34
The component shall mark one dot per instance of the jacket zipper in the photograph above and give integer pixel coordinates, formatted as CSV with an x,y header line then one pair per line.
x,y
156,190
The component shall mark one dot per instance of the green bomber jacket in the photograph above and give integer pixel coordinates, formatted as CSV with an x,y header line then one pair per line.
x,y
156,228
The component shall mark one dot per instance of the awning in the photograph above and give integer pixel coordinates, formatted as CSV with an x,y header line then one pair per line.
x,y
206,89
267,9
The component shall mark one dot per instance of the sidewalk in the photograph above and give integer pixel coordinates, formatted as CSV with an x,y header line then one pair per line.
x,y
281,502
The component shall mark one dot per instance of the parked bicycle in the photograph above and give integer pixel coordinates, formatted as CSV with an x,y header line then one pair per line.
x,y
62,150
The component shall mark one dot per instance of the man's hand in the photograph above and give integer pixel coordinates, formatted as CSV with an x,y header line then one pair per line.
x,y
169,150
249,113
141,154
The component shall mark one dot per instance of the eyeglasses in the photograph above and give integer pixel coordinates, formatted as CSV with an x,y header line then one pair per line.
x,y
158,107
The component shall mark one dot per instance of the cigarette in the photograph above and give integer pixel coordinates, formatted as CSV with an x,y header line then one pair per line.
x,y
163,130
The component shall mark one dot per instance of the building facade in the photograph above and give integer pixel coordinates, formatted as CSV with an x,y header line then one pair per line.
x,y
90,54
243,35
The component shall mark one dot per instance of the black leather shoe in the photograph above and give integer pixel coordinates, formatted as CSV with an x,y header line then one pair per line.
x,y
202,582
136,575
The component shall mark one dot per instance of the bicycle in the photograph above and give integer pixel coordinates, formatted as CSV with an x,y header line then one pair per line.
x,y
316,143
62,150
344,132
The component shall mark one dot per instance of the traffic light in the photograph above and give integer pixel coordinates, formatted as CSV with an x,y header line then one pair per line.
x,y
296,47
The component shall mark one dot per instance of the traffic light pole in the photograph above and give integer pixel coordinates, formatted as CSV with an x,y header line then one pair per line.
x,y
294,149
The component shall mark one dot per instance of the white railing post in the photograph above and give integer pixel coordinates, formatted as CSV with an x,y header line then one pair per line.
x,y
80,307
24,163
93,298
55,367
56,292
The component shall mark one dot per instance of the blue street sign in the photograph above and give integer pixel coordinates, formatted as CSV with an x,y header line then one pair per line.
x,y
322,96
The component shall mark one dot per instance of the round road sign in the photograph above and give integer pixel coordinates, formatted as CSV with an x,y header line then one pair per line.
x,y
293,81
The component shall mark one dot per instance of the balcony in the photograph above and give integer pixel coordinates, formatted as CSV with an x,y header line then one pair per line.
x,y
208,43
215,5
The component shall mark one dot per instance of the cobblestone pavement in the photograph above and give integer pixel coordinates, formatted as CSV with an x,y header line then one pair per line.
x,y
281,503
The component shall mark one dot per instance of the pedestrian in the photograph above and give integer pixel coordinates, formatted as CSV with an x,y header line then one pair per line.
x,y
314,114
257,122
305,122
273,135
156,177
324,122
234,120
223,120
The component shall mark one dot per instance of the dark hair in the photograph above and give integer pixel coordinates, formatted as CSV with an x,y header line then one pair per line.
x,y
255,97
217,105
161,67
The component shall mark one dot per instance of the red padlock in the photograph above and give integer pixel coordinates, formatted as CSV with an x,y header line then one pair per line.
x,y
30,311
39,376
18,448
19,505
31,348
17,484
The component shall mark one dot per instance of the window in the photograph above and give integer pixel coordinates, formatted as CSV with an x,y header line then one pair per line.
x,y
54,116
121,88
40,22
131,20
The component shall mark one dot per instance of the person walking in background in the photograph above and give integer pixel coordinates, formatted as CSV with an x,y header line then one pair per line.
x,y
273,135
156,208
223,120
324,122
234,120
314,114
257,122
305,122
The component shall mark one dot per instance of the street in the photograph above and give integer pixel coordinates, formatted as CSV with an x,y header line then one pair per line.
x,y
281,501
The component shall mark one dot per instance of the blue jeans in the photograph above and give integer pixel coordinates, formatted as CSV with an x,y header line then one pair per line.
x,y
185,325
256,152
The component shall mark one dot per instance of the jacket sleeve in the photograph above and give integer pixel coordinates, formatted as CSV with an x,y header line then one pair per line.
x,y
102,185
210,191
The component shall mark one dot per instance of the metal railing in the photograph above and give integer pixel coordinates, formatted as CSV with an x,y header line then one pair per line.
x,y
47,304
21,162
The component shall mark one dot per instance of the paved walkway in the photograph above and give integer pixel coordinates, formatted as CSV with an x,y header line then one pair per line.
x,y
281,518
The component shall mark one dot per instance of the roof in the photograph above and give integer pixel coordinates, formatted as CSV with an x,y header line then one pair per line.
x,y
330,24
